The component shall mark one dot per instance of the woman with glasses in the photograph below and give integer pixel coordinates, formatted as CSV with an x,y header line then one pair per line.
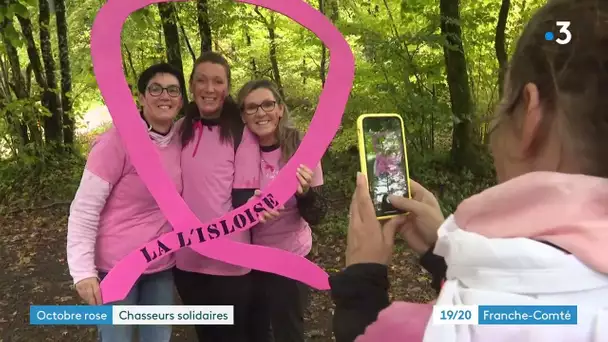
x,y
278,301
113,213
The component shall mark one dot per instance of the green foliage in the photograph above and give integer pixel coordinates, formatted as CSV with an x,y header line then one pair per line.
x,y
27,181
450,186
400,68
85,140
434,172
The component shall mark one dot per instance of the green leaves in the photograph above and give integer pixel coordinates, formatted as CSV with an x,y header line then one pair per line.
x,y
20,10
32,3
13,36
143,18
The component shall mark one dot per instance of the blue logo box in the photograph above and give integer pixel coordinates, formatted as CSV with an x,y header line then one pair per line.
x,y
70,315
528,314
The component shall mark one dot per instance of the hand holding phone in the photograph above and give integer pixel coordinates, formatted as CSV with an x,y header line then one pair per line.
x,y
383,158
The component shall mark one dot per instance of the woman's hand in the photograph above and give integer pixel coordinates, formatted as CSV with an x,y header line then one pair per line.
x,y
267,215
424,219
88,289
368,241
304,175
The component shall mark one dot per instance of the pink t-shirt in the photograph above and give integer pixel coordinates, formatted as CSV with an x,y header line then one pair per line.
x,y
208,170
130,217
289,231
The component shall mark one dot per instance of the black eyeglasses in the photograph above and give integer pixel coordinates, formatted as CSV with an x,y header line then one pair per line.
x,y
156,90
266,106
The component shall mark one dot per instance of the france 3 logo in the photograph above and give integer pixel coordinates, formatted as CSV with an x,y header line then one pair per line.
x,y
564,34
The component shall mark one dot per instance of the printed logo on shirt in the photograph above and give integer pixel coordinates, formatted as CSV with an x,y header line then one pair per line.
x,y
269,171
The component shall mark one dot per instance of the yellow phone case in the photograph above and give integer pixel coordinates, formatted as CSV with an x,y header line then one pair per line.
x,y
363,157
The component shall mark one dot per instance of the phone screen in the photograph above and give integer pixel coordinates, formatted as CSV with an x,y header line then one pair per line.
x,y
386,162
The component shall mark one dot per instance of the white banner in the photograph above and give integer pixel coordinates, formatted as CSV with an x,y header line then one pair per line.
x,y
172,315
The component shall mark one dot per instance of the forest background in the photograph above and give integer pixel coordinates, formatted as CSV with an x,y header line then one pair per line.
x,y
437,63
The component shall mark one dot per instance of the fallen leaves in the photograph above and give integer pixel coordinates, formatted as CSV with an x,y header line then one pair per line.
x,y
35,272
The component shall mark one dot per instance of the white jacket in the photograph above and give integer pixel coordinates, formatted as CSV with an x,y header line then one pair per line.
x,y
494,257
517,271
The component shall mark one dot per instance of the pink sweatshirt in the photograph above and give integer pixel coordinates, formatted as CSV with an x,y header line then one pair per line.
x,y
492,258
113,213
210,170
289,231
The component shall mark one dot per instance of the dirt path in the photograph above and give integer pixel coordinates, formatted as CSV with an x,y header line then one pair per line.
x,y
33,271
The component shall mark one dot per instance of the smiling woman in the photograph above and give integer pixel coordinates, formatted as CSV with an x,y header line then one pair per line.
x,y
212,138
279,302
160,96
114,213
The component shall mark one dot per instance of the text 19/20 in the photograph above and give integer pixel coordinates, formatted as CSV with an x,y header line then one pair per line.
x,y
459,315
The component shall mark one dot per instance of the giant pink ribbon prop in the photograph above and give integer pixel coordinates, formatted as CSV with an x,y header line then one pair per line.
x,y
107,64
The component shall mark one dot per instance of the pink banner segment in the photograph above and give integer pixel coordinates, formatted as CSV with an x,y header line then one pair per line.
x,y
107,64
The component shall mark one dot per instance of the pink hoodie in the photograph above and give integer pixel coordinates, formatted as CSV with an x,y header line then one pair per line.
x,y
492,259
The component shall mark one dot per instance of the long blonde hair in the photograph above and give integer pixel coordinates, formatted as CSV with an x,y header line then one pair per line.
x,y
287,134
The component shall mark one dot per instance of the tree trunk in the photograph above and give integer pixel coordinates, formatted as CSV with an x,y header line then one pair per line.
x,y
66,76
18,127
52,125
500,44
323,62
204,27
333,16
254,67
168,17
304,71
272,54
186,40
463,154
36,68
334,10
32,50
171,34
130,59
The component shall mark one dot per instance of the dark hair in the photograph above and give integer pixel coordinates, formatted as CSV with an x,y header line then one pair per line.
x,y
572,79
160,68
230,121
287,134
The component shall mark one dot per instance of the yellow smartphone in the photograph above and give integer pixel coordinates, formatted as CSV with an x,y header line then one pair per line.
x,y
383,158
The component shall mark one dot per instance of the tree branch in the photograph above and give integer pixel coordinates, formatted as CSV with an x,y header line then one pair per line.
x,y
179,22
264,20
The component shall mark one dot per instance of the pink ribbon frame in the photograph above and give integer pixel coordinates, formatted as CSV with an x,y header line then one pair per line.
x,y
188,231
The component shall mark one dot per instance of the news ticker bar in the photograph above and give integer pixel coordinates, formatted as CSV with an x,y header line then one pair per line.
x,y
505,314
224,315
131,315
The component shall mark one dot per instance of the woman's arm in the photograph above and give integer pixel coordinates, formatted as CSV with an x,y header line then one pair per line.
x,y
359,292
312,205
436,266
83,224
104,168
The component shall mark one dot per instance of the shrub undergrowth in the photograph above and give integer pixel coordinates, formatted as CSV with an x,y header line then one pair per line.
x,y
53,177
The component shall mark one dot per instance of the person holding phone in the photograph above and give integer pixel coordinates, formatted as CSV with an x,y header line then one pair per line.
x,y
278,301
113,213
539,237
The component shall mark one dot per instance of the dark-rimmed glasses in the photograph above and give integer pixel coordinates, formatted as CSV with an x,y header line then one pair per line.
x,y
157,90
252,108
